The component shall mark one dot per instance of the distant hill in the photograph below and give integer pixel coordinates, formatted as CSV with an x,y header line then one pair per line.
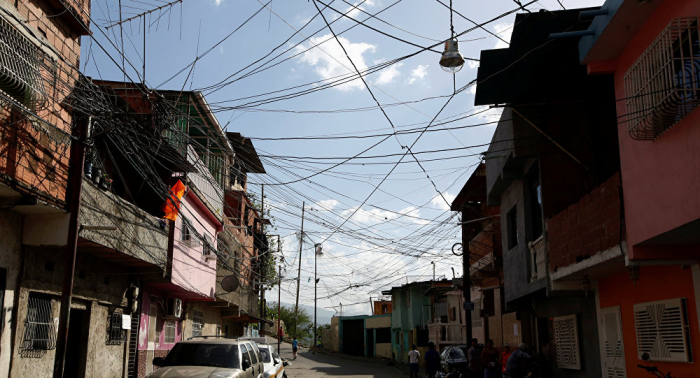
x,y
323,316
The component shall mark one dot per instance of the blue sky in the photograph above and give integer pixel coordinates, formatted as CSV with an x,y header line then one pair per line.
x,y
372,257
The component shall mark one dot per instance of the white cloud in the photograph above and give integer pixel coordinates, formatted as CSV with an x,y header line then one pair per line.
x,y
218,2
325,205
502,30
221,49
418,73
330,61
389,75
354,11
473,64
440,202
369,216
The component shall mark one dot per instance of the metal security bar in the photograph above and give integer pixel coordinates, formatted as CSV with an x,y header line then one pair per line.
x,y
117,334
663,86
197,323
39,329
21,65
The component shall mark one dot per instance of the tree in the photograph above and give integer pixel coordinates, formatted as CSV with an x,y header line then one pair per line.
x,y
305,328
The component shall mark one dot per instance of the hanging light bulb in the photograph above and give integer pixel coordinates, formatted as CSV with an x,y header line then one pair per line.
x,y
451,60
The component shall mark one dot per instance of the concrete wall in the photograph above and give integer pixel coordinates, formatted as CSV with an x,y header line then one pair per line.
x,y
10,252
138,234
383,350
212,319
378,321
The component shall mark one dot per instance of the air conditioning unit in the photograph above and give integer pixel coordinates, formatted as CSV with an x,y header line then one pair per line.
x,y
174,307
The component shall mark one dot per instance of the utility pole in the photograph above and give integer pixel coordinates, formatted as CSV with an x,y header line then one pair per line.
x,y
301,243
466,288
261,261
279,310
77,162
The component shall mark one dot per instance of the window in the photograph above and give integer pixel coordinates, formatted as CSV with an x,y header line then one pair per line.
x,y
197,323
116,331
39,329
535,204
662,330
663,86
192,354
186,229
383,335
477,321
512,225
208,246
169,331
21,63
566,339
244,353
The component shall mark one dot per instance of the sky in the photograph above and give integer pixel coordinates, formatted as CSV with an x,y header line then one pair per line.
x,y
377,230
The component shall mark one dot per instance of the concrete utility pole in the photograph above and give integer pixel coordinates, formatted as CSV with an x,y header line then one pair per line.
x,y
301,243
279,310
77,162
466,289
261,261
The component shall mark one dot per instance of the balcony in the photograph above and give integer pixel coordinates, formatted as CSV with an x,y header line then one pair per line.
x,y
138,239
538,259
205,185
446,333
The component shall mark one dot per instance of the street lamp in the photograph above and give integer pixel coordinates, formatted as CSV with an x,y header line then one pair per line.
x,y
319,252
451,60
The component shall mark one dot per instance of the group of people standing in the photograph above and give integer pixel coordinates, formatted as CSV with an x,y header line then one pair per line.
x,y
488,361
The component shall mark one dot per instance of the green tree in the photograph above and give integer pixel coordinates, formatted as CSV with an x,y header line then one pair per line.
x,y
305,327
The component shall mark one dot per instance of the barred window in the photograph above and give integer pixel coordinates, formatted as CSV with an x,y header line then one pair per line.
x,y
39,328
169,331
663,86
20,67
197,323
117,334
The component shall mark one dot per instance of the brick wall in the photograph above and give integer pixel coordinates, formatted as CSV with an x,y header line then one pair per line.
x,y
587,227
35,154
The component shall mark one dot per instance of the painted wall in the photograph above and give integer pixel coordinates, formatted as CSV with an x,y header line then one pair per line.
x,y
383,350
211,319
191,270
654,283
378,321
10,252
152,295
660,178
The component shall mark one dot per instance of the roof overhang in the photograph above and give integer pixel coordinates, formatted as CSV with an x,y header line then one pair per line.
x,y
246,153
474,190
613,30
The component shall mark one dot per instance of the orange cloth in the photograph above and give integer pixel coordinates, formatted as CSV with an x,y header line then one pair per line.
x,y
172,208
503,360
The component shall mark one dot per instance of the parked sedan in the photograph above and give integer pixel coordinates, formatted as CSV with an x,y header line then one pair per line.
x,y
274,366
454,358
205,358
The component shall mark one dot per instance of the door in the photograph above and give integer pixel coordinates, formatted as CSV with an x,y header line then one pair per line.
x,y
370,342
152,323
612,345
76,349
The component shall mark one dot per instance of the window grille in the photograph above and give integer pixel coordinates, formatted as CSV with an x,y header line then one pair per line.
x,y
477,320
208,246
169,332
186,229
21,64
662,330
663,86
566,339
39,328
197,323
117,334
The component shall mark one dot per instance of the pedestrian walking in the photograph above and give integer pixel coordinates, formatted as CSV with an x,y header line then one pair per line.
x,y
413,357
516,366
432,360
318,346
474,358
489,359
503,358
295,347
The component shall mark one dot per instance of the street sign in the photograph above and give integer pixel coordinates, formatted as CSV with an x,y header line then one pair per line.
x,y
468,306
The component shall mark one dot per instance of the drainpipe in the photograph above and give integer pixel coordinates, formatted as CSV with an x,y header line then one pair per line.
x,y
77,162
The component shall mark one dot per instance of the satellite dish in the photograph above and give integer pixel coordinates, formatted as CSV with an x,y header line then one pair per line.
x,y
230,283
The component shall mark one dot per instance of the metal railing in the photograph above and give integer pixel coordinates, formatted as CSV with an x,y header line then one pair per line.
x,y
205,183
538,259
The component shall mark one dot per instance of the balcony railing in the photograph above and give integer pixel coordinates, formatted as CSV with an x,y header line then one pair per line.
x,y
205,183
446,333
538,260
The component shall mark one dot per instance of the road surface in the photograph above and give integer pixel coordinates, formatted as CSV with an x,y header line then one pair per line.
x,y
309,365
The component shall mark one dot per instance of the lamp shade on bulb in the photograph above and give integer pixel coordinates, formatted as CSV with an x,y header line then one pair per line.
x,y
451,60
319,249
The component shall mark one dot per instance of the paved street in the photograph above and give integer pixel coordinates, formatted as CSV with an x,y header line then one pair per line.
x,y
324,365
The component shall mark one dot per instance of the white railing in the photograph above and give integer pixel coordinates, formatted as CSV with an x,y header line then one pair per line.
x,y
450,333
205,183
538,259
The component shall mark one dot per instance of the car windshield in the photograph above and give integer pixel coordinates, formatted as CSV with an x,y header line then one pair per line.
x,y
218,355
456,354
265,353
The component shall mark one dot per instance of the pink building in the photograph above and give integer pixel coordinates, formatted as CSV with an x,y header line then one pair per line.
x,y
652,50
